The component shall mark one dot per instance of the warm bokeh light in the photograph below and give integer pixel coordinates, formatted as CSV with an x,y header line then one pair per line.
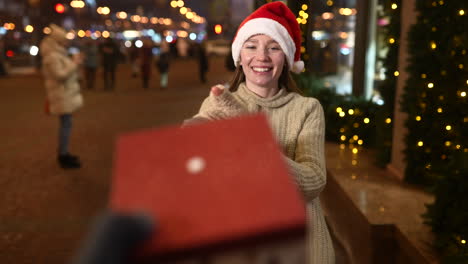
x,y
59,8
77,4
121,15
218,29
29,28
81,33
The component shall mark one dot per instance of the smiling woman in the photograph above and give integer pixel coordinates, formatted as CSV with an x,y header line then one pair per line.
x,y
265,49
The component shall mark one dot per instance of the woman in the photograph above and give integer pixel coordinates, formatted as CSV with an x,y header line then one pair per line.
x,y
63,89
266,47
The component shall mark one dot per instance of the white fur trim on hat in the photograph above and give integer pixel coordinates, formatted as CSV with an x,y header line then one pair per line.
x,y
265,26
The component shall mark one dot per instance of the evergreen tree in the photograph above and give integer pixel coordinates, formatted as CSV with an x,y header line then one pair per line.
x,y
435,99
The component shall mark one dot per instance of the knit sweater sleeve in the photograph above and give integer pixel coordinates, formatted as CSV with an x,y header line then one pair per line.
x,y
308,166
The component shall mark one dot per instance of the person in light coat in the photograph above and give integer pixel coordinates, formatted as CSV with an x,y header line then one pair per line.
x,y
63,97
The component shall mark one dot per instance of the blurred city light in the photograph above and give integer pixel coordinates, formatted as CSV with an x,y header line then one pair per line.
x,y
59,8
34,50
77,4
138,43
29,28
193,36
218,29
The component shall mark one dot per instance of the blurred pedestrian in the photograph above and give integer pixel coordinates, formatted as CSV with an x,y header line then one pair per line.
x,y
203,63
163,64
3,71
110,56
63,89
133,56
182,47
146,61
91,61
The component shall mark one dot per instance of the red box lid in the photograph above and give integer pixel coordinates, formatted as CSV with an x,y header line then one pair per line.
x,y
207,184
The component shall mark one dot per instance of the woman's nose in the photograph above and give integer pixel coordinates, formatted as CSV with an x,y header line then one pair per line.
x,y
262,54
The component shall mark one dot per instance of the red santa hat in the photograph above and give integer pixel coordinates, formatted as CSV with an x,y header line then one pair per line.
x,y
278,22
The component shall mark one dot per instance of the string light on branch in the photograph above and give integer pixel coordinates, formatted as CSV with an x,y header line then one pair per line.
x,y
420,143
388,120
418,118
461,12
448,127
394,6
396,73
430,85
366,120
433,45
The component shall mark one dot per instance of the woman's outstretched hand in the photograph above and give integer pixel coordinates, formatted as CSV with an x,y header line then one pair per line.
x,y
225,105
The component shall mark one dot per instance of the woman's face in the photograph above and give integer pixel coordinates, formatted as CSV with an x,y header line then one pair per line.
x,y
262,61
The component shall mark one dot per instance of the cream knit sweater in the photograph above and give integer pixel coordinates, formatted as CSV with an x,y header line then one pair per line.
x,y
299,126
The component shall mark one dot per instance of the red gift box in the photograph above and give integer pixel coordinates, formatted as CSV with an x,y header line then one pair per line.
x,y
212,187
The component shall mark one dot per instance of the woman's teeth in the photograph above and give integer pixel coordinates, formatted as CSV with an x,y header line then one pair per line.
x,y
258,69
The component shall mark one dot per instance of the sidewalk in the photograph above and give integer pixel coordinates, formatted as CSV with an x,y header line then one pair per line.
x,y
382,199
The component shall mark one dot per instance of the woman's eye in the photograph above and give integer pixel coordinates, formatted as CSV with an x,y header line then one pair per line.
x,y
250,47
275,48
